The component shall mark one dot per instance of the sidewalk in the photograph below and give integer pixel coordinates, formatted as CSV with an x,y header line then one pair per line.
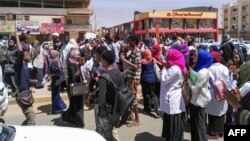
x,y
44,95
41,95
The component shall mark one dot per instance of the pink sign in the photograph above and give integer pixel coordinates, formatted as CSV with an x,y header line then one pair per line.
x,y
49,28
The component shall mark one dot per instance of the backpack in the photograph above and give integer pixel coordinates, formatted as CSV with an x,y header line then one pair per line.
x,y
218,87
122,105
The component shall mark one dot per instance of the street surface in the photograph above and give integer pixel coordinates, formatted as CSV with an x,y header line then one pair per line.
x,y
149,129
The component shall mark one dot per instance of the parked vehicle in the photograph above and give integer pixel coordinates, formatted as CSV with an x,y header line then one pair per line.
x,y
4,99
46,133
242,48
209,42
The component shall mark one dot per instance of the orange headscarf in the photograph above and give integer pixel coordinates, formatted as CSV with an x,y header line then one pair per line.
x,y
147,56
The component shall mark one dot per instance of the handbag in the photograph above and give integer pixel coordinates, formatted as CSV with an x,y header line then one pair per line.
x,y
26,98
157,71
186,92
78,89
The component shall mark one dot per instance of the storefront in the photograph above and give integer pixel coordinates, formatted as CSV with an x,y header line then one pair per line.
x,y
163,23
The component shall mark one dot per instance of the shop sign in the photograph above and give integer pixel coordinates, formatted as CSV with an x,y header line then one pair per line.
x,y
49,28
184,14
31,26
7,26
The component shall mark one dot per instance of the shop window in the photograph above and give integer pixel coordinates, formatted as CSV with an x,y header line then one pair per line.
x,y
69,21
56,20
2,18
26,18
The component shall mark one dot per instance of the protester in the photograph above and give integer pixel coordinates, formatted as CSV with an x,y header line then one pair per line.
x,y
216,110
200,96
148,82
24,81
171,100
75,113
106,94
134,73
56,74
11,56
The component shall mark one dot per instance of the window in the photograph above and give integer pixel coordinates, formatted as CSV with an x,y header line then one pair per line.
x,y
69,21
233,27
53,4
225,19
2,18
8,3
56,20
243,8
26,18
226,27
234,18
73,4
235,9
29,3
225,11
243,17
243,26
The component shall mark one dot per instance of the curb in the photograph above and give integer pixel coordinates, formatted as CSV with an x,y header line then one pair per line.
x,y
39,99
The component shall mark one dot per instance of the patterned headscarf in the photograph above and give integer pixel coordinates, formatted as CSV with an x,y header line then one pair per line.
x,y
175,57
205,59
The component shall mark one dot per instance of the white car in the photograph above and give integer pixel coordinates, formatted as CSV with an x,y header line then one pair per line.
x,y
46,133
4,99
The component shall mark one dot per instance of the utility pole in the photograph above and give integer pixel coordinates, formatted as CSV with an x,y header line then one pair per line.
x,y
95,23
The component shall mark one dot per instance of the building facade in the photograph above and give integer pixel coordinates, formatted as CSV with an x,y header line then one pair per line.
x,y
236,19
43,17
200,22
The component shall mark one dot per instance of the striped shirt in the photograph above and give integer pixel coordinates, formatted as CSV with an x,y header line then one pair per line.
x,y
135,58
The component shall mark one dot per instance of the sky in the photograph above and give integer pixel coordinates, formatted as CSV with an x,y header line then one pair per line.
x,y
113,12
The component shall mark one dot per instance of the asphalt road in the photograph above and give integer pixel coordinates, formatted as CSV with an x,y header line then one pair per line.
x,y
149,129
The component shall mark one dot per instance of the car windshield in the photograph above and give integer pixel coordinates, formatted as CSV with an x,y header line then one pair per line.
x,y
7,133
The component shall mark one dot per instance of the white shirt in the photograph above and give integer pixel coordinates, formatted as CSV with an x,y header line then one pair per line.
x,y
215,107
171,100
201,96
38,61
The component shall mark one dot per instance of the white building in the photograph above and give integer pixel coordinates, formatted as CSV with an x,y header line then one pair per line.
x,y
236,19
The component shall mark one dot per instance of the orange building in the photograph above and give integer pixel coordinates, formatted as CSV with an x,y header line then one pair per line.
x,y
203,23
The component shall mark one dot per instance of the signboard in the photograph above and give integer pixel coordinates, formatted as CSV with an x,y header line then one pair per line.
x,y
177,23
49,28
32,26
7,26
191,23
177,14
206,23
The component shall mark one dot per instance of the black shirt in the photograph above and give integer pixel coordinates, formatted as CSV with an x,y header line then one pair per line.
x,y
106,94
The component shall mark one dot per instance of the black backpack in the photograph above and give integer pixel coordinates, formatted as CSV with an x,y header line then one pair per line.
x,y
119,111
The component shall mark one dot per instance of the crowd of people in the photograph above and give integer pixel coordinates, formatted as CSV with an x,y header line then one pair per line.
x,y
161,71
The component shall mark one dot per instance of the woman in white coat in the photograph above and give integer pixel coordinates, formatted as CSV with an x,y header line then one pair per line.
x,y
216,109
200,95
171,101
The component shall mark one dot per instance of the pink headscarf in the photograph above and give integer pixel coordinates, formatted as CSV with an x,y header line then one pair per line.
x,y
175,57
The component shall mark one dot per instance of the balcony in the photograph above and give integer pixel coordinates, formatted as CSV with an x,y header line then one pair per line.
x,y
79,11
76,28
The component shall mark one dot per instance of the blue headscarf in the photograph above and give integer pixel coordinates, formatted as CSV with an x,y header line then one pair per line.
x,y
214,48
205,60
